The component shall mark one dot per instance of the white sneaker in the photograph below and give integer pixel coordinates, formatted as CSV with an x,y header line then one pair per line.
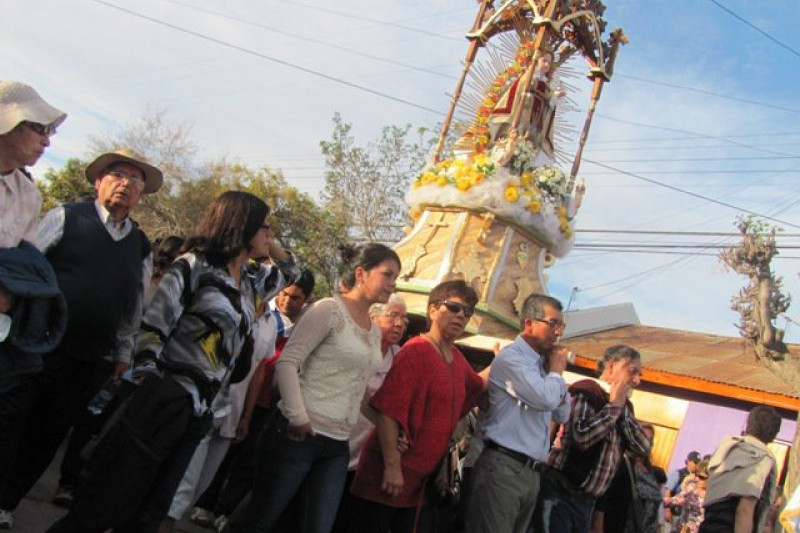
x,y
202,517
220,523
6,519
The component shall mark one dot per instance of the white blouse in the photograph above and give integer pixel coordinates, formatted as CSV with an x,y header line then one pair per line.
x,y
323,370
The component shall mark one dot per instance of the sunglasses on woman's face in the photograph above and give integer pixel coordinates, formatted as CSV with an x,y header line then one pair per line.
x,y
455,308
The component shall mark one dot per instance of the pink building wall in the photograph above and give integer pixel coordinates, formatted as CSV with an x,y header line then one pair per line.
x,y
706,425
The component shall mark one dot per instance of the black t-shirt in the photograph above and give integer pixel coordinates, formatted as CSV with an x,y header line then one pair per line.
x,y
616,501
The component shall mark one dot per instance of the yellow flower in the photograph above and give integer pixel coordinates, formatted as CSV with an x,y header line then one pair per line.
x,y
535,206
476,178
441,181
512,194
562,212
483,139
463,184
481,160
525,179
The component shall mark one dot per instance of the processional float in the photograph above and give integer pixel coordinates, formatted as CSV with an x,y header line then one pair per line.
x,y
498,209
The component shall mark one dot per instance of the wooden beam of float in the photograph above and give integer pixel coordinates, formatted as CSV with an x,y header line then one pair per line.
x,y
501,261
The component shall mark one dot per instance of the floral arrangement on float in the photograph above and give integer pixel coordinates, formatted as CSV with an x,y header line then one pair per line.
x,y
533,197
506,160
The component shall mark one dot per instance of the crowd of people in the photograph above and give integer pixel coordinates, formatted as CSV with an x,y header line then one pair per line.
x,y
197,378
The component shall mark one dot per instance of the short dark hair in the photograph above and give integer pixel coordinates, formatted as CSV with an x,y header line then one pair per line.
x,y
763,423
230,223
305,282
367,256
534,305
615,353
456,287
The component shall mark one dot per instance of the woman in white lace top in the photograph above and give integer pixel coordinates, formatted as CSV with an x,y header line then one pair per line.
x,y
322,376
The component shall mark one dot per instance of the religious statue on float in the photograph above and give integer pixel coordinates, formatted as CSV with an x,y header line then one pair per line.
x,y
498,208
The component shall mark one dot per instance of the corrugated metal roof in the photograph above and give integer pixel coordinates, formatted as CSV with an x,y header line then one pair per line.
x,y
701,356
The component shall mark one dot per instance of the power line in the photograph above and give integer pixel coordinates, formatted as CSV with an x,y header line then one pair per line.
x,y
709,93
316,41
644,245
667,252
374,21
674,233
690,193
759,30
698,136
678,130
269,58
692,159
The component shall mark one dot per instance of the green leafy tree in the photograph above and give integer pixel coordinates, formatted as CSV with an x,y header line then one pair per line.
x,y
365,186
67,184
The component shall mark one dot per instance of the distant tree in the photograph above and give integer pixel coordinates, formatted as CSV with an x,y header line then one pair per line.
x,y
170,147
365,186
759,304
67,184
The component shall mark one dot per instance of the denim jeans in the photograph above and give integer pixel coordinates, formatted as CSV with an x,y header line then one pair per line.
x,y
317,463
562,510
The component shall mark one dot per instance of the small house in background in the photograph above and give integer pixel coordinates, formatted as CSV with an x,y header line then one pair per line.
x,y
696,388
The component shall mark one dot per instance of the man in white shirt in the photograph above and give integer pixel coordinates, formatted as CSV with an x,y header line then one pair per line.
x,y
102,261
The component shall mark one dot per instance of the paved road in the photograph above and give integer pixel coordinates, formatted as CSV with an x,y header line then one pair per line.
x,y
35,513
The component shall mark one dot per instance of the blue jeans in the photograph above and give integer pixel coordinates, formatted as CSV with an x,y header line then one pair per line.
x,y
318,463
562,510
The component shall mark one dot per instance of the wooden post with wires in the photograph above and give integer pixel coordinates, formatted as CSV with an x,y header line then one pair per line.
x,y
597,89
472,51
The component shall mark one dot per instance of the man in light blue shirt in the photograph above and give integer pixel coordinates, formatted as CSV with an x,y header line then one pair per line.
x,y
526,391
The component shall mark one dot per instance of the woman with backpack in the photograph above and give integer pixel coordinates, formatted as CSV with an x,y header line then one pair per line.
x,y
195,341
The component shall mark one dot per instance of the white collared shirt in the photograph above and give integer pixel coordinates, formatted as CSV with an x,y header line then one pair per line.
x,y
20,202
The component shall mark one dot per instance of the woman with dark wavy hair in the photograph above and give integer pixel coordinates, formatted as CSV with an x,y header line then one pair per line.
x,y
322,375
195,342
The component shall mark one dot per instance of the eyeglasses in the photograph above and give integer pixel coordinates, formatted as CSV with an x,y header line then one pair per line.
x,y
702,477
455,307
394,316
133,179
41,129
554,323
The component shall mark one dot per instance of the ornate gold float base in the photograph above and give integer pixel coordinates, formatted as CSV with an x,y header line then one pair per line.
x,y
500,260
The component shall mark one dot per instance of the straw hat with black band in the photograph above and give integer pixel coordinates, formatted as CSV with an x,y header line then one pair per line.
x,y
152,176
21,103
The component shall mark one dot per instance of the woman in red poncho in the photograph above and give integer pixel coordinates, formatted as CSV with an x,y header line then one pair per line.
x,y
429,388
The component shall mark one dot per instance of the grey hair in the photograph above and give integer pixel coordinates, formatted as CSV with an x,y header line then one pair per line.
x,y
615,353
534,305
379,308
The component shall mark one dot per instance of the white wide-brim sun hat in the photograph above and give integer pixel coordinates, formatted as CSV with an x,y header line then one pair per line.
x,y
152,175
20,102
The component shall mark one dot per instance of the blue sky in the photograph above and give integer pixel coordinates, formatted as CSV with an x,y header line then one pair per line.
x,y
701,102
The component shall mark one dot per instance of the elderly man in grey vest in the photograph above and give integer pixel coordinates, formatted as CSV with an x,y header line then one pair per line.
x,y
102,262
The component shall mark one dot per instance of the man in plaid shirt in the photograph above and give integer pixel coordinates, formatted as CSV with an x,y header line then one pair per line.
x,y
600,428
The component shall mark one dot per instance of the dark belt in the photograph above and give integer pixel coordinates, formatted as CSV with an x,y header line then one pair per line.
x,y
537,466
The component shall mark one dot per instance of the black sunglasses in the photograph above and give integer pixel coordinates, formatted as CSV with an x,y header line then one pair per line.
x,y
41,129
455,307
